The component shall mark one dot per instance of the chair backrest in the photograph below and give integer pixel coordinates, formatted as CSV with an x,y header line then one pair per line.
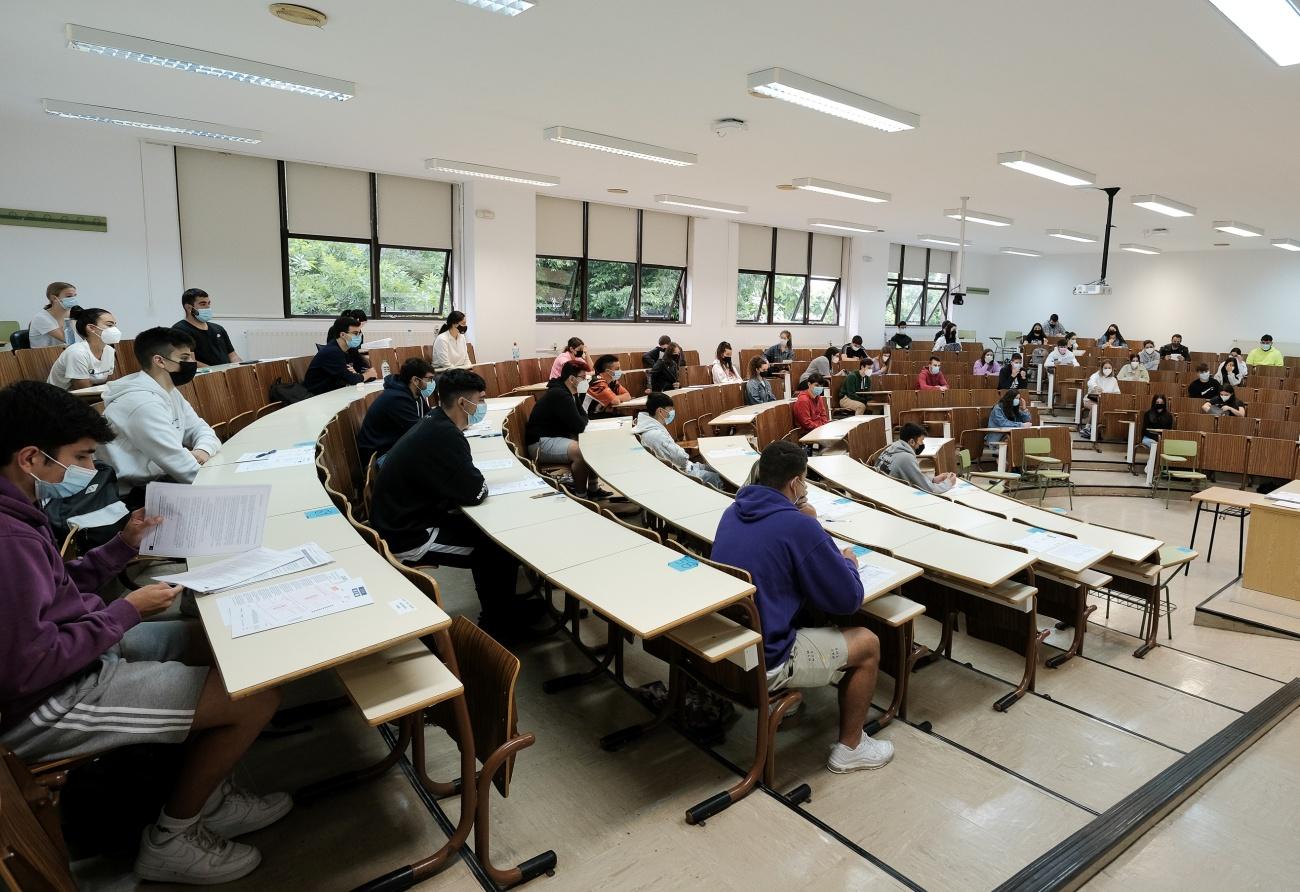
x,y
488,372
213,391
534,370
773,424
1178,448
9,372
32,851
507,376
1036,445
865,439
241,380
409,351
469,350
299,366
34,364
380,355
20,339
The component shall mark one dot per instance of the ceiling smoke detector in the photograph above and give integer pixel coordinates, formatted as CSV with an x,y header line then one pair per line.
x,y
724,126
298,15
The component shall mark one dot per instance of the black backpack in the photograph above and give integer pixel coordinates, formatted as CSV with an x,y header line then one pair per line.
x,y
99,493
289,393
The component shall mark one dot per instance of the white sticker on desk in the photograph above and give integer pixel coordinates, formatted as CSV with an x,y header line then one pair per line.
x,y
401,605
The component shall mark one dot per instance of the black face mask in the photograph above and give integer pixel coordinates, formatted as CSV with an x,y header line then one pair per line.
x,y
1160,407
919,449
462,328
185,374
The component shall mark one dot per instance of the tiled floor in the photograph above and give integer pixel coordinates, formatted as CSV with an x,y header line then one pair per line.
x,y
962,807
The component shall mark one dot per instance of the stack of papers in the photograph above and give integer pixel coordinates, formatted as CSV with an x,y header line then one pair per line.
x,y
526,484
874,578
1062,547
199,521
295,601
252,566
276,458
1284,499
831,507
494,464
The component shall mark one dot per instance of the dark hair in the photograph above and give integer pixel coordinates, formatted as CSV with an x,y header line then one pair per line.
x,y
1133,357
359,315
781,462
1236,366
1062,342
52,290
723,347
1148,341
1236,350
1162,398
340,325
856,339
755,364
1227,388
1005,401
83,316
656,401
1175,335
935,356
831,352
1266,337
864,361
1053,318
912,430
1203,367
455,383
571,368
159,342
574,344
1015,356
665,340
814,378
605,361
415,367
1037,326
453,318
672,353
789,337
191,295
51,419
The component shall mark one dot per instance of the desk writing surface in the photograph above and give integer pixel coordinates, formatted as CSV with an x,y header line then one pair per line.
x,y
876,529
705,524
975,562
265,435
745,414
581,538
635,483
1007,532
904,501
276,656
837,430
641,591
293,489
523,509
901,570
683,499
855,476
331,531
951,516
1233,498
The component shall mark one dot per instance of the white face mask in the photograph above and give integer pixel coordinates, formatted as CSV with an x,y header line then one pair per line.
x,y
988,358
934,369
1105,373
110,335
1134,363
1204,376
1015,366
583,384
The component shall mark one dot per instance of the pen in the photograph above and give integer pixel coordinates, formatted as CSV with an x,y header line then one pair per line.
x,y
264,454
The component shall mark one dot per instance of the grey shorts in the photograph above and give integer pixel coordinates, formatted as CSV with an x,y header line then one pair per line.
x,y
550,451
816,660
138,692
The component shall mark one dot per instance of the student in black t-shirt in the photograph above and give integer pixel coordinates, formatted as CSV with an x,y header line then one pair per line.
x,y
1013,375
1204,387
901,339
854,349
212,345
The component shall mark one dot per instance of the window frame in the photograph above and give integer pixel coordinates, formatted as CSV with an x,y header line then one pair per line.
x,y
894,285
580,311
374,310
768,299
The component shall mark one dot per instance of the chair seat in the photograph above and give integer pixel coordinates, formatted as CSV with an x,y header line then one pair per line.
x,y
1054,475
1173,459
1187,475
996,475
1043,459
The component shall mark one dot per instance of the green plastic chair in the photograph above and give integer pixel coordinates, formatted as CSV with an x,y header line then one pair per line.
x,y
1177,462
1045,468
993,481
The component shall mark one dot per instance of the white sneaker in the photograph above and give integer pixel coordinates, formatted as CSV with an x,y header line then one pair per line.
x,y
195,855
868,754
233,811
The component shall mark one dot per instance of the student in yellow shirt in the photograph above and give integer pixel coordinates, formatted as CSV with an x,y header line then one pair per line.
x,y
1265,354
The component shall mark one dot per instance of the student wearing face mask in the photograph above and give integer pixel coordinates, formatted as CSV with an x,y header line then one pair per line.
x,y
1232,371
212,345
428,476
1061,355
604,393
931,377
651,356
1204,386
823,365
809,409
1112,338
664,374
1175,349
854,349
52,326
1264,354
794,564
330,368
652,427
159,435
1149,356
946,340
400,405
723,370
1155,420
555,424
1035,340
1133,370
450,347
1101,381
574,351
883,364
1224,402
782,351
757,390
901,460
1009,411
986,366
855,382
1014,376
1242,368
900,339
1054,328
90,360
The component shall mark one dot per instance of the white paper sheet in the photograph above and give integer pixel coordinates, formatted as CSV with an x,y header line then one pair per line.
x,y
305,557
204,520
276,458
1278,496
377,345
494,464
735,452
232,571
607,424
526,484
103,517
1039,541
294,601
1076,552
874,578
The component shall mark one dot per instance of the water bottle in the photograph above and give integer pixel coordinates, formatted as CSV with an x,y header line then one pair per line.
x,y
514,351
384,368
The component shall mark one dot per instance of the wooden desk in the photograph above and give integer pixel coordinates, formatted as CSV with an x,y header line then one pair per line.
x,y
838,430
744,415
1271,548
1223,501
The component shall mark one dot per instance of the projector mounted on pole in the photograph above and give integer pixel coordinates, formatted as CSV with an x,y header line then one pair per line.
x,y
1101,286
959,289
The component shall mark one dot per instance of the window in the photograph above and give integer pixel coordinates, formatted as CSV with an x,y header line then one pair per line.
x,y
372,242
917,289
603,263
788,277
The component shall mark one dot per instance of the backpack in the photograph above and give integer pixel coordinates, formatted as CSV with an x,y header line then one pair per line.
x,y
99,493
288,393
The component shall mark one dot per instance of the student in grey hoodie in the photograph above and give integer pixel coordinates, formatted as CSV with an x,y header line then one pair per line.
x,y
159,435
651,427
900,461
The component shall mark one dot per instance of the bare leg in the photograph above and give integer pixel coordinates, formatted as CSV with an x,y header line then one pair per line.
x,y
581,473
858,684
223,731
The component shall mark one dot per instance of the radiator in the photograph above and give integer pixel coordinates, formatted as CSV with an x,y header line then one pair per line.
x,y
270,343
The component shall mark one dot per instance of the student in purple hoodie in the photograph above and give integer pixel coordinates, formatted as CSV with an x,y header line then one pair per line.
x,y
794,562
78,675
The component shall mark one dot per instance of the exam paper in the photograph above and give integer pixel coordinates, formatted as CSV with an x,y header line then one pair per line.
x,y
605,424
494,464
294,601
1278,496
232,571
1038,541
304,558
204,520
874,578
526,484
736,452
276,458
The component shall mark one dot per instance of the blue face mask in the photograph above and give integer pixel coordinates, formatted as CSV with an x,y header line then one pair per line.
x,y
203,315
816,390
672,414
480,412
69,302
354,341
429,387
617,374
75,479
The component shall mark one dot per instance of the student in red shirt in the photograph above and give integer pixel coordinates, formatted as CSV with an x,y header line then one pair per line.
x,y
809,407
932,378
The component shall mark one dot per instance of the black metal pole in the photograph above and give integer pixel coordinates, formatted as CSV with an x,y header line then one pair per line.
x,y
1110,213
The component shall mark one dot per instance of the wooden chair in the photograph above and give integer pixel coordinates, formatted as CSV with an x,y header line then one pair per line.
x,y
34,364
1176,460
270,372
213,392
488,372
470,351
299,365
244,388
776,423
865,439
993,481
1225,452
125,360
507,374
532,371
9,371
1269,457
33,856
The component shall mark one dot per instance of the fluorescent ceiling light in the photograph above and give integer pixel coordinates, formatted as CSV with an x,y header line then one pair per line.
x,y
781,83
183,58
502,7
602,143
979,217
1286,244
812,184
1232,227
1070,236
1028,162
702,204
821,223
942,240
464,168
1274,25
1021,252
1162,205
1139,249
146,121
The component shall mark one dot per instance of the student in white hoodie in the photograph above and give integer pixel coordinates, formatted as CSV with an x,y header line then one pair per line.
x,y
159,435
651,427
